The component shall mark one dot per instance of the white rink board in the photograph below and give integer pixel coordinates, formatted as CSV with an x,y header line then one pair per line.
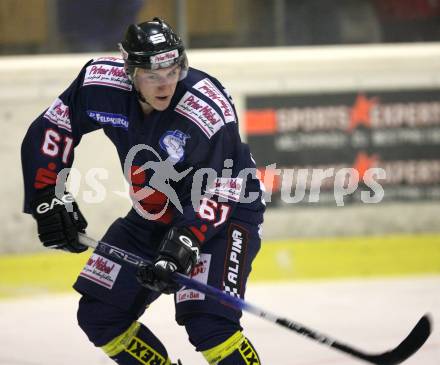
x,y
373,315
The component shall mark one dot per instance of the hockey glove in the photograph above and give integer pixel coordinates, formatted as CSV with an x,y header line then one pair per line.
x,y
179,251
59,220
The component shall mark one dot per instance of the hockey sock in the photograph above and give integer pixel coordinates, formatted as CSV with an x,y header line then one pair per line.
x,y
236,350
137,345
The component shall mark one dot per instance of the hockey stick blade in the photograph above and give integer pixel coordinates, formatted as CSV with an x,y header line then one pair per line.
x,y
403,351
416,338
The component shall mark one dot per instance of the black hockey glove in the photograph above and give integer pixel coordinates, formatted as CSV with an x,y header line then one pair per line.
x,y
179,251
58,220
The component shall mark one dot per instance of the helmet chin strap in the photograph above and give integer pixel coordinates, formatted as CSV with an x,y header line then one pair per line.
x,y
145,105
140,96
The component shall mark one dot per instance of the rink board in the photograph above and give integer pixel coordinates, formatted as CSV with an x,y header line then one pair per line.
x,y
278,260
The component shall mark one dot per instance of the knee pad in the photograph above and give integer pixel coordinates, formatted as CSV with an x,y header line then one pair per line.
x,y
236,350
206,331
119,334
101,321
137,346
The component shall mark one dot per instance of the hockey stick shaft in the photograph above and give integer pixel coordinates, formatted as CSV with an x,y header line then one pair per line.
x,y
407,347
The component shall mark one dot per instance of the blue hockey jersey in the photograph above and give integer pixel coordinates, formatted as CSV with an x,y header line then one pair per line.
x,y
191,152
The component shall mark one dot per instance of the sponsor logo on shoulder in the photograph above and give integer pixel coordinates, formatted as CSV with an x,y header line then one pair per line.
x,y
200,113
173,143
101,271
115,120
108,59
58,113
228,95
107,75
200,273
207,87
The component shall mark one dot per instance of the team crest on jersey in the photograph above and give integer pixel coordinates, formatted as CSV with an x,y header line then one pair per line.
x,y
115,120
107,75
58,114
173,143
200,113
200,273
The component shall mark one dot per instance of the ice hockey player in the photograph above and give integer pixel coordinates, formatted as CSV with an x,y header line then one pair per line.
x,y
184,121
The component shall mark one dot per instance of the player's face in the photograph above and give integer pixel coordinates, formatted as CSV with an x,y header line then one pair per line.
x,y
158,86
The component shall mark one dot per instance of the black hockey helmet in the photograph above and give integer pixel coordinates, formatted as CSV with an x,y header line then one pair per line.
x,y
153,45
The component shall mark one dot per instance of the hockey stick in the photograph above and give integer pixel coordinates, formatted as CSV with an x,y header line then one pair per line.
x,y
403,351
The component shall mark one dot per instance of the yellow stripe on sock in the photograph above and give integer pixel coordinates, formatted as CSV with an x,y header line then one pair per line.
x,y
220,352
120,343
